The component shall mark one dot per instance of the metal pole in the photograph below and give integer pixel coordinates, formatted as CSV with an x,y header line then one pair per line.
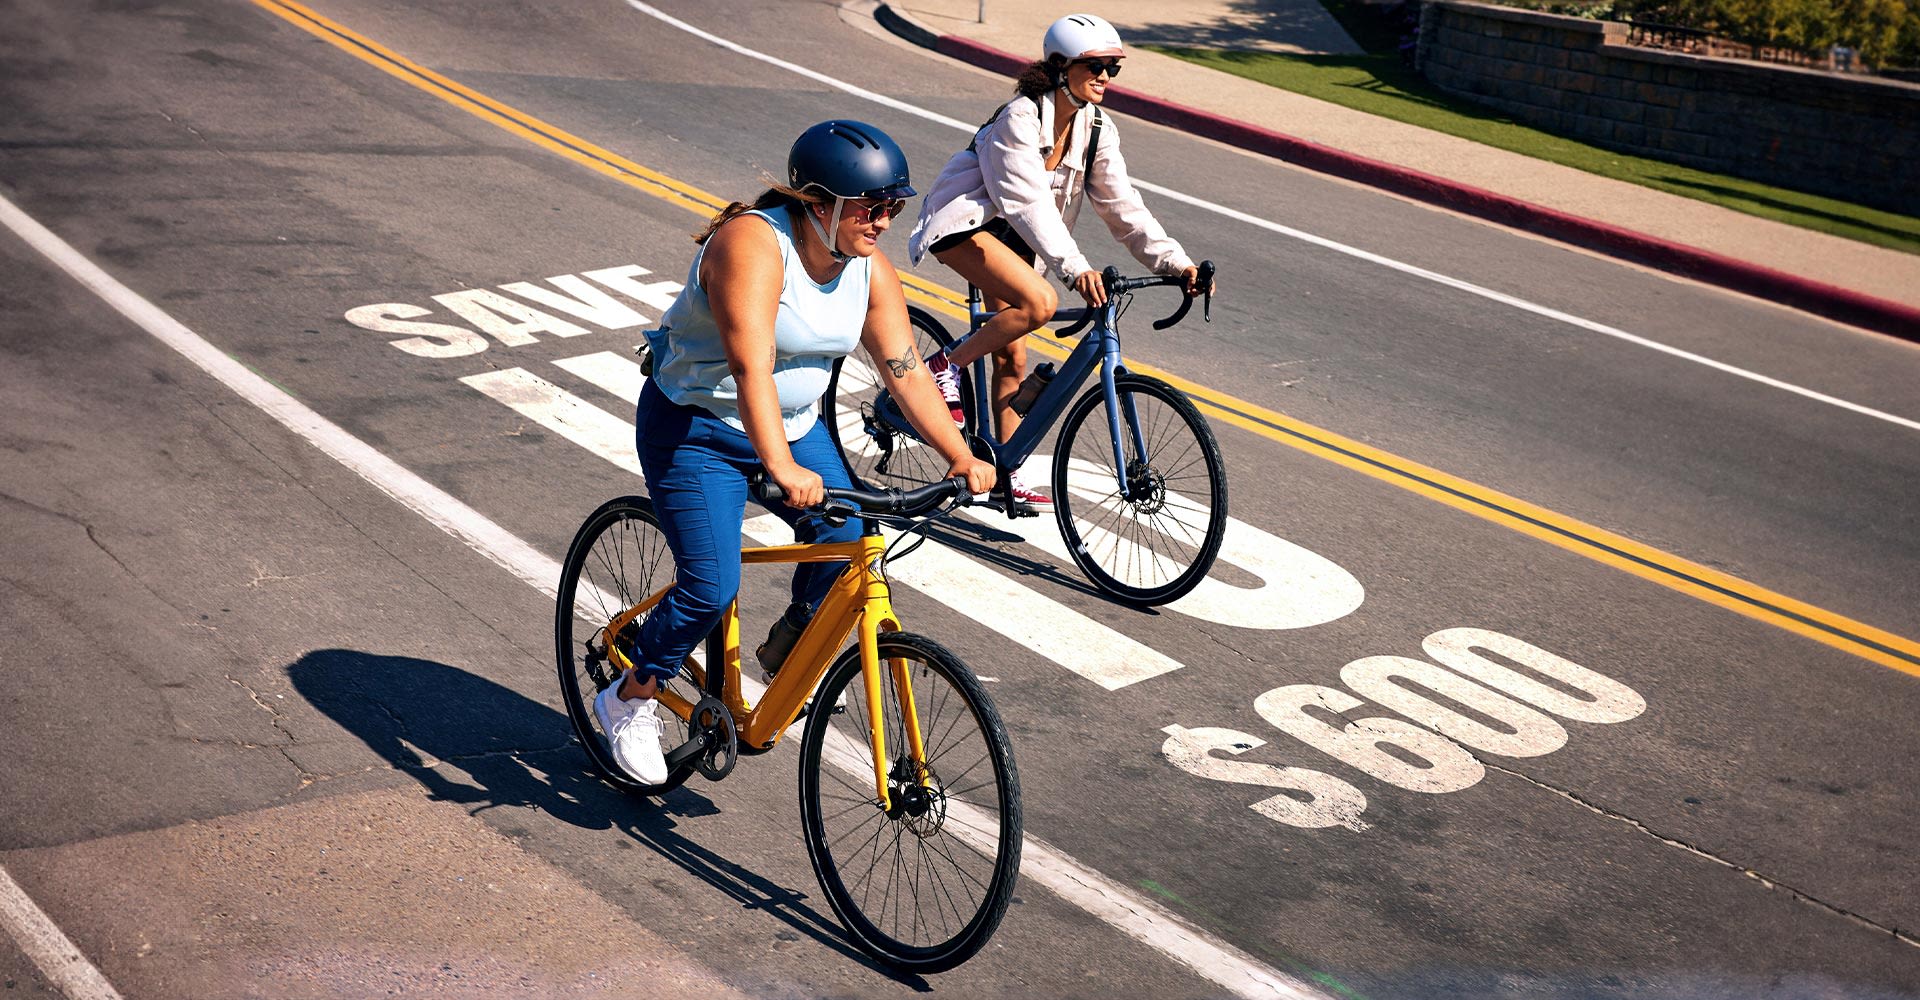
x,y
983,12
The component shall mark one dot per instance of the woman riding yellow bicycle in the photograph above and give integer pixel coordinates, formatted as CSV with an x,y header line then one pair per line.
x,y
778,291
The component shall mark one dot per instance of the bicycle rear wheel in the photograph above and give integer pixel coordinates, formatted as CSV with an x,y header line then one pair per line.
x,y
618,558
1156,543
879,453
921,886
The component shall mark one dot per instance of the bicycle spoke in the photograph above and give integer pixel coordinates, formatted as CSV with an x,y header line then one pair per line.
x,y
931,873
1147,530
618,557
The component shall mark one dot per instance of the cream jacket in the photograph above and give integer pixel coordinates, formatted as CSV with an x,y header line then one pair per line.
x,y
1005,174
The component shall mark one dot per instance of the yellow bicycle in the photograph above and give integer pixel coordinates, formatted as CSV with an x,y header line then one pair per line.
x,y
909,800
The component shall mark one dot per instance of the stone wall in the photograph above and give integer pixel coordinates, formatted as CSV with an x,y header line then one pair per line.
x,y
1851,137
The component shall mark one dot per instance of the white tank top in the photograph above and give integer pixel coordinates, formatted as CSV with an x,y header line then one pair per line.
x,y
815,326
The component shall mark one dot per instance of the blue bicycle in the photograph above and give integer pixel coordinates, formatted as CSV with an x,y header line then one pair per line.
x,y
1140,494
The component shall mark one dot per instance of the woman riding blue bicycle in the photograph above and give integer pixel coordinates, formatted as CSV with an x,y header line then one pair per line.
x,y
778,292
1010,199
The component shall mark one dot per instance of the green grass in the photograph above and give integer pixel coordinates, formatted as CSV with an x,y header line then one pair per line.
x,y
1380,84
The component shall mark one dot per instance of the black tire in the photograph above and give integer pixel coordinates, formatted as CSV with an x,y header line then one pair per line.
x,y
866,446
1155,548
618,557
923,889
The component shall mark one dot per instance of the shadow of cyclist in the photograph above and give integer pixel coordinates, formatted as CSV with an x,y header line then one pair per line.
x,y
1000,547
417,713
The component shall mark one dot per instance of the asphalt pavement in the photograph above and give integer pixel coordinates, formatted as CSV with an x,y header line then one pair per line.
x,y
280,719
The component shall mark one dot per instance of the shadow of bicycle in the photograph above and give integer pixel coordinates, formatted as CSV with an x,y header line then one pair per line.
x,y
416,713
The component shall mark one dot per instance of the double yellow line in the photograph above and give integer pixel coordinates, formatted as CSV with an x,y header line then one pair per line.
x,y
1594,543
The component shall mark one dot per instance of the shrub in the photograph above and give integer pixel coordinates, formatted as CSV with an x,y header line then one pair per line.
x,y
1886,33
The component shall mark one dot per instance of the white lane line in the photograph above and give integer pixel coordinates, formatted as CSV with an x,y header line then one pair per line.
x,y
607,370
51,951
1101,897
563,413
1533,307
1319,241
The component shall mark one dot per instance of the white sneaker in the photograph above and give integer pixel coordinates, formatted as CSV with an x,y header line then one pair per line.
x,y
947,378
633,733
1025,494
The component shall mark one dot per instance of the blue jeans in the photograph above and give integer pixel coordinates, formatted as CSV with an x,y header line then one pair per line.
x,y
697,468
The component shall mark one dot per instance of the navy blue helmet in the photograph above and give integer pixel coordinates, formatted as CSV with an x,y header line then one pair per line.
x,y
848,159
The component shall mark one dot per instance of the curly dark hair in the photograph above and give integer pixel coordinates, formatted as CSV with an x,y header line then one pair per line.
x,y
1042,76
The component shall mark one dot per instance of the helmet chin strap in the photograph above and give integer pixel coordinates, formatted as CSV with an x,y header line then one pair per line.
x,y
832,245
1060,82
1078,101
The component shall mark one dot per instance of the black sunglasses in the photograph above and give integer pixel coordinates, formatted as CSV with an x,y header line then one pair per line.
x,y
1111,67
871,209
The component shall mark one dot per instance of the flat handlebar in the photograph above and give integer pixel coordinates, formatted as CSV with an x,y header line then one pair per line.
x,y
891,503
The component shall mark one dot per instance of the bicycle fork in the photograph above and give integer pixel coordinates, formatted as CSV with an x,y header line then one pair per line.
x,y
1126,473
876,616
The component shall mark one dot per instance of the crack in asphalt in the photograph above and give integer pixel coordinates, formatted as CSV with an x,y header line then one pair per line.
x,y
309,779
1906,937
1768,882
293,476
279,723
1223,643
197,134
261,577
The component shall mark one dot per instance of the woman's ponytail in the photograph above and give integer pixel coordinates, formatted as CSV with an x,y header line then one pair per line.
x,y
776,196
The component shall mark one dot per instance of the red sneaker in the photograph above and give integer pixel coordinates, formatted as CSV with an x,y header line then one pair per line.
x,y
948,380
1022,493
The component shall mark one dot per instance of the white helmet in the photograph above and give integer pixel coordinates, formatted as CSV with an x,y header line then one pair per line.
x,y
1079,35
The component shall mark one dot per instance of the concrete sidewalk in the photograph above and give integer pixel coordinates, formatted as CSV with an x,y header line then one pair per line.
x,y
1840,278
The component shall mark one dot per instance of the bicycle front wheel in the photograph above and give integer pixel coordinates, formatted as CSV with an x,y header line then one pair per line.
x,y
923,884
618,558
1157,540
881,453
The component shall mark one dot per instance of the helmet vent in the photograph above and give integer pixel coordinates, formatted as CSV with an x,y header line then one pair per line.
x,y
855,136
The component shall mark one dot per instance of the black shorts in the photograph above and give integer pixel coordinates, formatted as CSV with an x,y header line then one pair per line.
x,y
995,227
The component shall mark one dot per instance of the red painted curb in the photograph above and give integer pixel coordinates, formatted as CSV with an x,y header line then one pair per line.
x,y
1819,298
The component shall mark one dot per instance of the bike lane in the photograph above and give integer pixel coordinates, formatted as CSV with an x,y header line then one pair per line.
x,y
1105,780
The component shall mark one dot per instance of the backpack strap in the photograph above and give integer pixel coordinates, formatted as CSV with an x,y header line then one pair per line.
x,y
973,142
1093,145
1093,135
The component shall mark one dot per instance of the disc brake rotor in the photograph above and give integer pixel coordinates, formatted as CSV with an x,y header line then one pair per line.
x,y
1146,488
919,805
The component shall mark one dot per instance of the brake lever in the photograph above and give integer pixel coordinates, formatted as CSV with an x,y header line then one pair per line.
x,y
1205,280
836,512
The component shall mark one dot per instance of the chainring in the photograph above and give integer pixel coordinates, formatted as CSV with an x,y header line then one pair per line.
x,y
714,725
